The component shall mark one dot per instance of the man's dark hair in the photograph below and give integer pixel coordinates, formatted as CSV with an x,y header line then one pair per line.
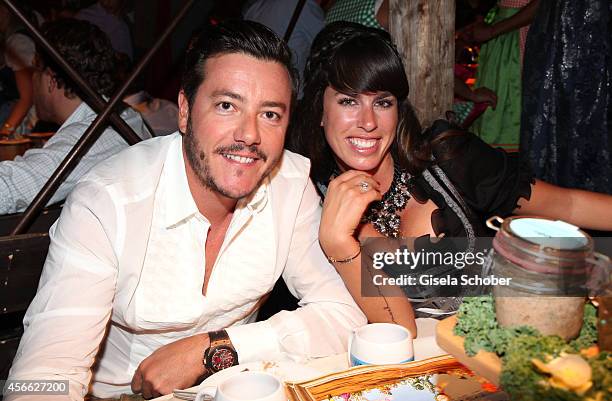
x,y
86,48
246,37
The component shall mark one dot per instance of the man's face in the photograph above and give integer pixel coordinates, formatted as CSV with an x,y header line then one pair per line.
x,y
235,129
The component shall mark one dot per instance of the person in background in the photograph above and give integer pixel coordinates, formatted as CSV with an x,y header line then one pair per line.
x,y
108,16
566,126
469,11
468,103
57,99
16,113
372,13
177,240
276,14
160,115
500,64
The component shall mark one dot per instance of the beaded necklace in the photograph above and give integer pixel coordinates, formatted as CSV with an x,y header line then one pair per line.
x,y
384,214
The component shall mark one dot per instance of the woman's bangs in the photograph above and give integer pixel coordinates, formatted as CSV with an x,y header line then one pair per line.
x,y
367,66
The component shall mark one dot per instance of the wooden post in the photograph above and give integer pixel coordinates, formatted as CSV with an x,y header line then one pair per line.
x,y
424,31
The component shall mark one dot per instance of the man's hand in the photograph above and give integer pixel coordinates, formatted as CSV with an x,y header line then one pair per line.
x,y
176,365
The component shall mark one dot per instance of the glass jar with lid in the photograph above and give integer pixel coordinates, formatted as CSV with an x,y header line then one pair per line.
x,y
551,266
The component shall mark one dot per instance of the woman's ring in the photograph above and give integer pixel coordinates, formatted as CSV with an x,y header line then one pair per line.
x,y
364,186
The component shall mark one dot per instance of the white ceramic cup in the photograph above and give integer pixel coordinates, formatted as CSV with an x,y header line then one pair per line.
x,y
246,386
380,344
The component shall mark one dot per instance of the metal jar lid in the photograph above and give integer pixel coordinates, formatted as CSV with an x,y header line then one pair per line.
x,y
542,245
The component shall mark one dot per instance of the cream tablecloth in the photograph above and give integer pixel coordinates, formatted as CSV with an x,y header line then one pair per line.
x,y
425,346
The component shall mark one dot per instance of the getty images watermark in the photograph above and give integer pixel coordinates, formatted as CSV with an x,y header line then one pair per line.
x,y
427,267
413,260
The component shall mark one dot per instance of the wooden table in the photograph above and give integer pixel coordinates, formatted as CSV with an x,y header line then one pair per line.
x,y
39,138
10,148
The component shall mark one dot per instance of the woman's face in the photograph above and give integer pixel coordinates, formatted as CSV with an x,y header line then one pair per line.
x,y
359,129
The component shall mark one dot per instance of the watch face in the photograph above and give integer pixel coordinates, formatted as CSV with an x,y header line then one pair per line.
x,y
222,358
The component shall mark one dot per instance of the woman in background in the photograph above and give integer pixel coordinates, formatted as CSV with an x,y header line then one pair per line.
x,y
567,94
500,65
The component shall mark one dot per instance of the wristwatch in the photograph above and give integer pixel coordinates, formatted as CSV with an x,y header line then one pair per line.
x,y
221,354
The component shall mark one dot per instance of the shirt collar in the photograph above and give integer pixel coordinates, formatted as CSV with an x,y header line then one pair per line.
x,y
179,203
258,200
82,112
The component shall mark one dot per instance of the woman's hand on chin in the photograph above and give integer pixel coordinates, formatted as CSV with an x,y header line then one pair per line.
x,y
347,199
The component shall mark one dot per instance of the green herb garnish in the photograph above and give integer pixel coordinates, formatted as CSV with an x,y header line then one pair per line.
x,y
477,324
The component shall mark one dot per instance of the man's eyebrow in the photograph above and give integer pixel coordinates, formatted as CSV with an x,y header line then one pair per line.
x,y
236,96
224,93
270,103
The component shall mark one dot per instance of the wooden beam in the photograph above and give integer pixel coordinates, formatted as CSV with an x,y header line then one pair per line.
x,y
423,31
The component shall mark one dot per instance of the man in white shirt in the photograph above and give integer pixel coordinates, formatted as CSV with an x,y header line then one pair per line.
x,y
162,254
57,100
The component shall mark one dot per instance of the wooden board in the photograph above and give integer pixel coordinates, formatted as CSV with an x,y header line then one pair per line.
x,y
485,364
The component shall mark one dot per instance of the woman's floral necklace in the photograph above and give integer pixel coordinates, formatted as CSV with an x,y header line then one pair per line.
x,y
384,214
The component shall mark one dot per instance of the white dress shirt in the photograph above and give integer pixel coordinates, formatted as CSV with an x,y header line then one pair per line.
x,y
22,178
130,245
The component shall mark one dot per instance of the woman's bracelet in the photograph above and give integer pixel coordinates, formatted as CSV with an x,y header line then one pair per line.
x,y
347,260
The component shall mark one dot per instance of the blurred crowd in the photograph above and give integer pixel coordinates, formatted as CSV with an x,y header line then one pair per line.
x,y
490,74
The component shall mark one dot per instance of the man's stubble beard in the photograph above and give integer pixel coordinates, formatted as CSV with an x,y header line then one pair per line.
x,y
199,164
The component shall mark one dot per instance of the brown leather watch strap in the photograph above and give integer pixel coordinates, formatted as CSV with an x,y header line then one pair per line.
x,y
219,337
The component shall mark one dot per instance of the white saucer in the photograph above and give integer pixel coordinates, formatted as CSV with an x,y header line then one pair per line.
x,y
284,370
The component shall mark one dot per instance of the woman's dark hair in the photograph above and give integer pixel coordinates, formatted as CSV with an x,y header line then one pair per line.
x,y
233,36
354,59
86,48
